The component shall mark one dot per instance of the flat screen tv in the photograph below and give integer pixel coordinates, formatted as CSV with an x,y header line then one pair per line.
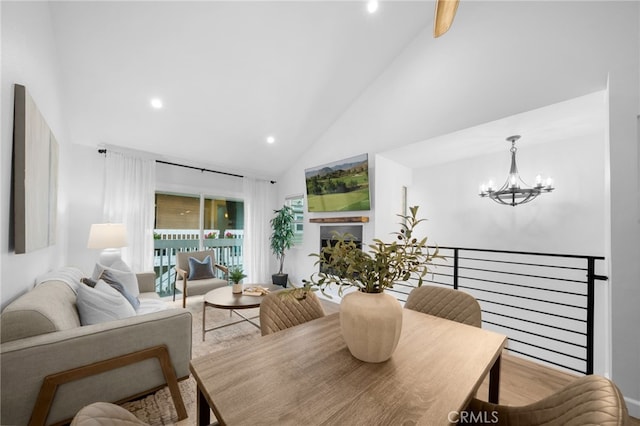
x,y
339,186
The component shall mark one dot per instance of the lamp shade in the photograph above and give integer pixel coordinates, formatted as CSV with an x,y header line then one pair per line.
x,y
107,235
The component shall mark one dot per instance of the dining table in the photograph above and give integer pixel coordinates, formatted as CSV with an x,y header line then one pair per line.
x,y
305,375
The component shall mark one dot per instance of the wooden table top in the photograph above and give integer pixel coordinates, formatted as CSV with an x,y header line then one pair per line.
x,y
223,298
306,375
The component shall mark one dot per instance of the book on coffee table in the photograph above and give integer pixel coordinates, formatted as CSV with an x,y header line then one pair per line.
x,y
255,291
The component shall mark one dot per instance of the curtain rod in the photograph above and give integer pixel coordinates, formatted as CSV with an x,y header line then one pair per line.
x,y
104,151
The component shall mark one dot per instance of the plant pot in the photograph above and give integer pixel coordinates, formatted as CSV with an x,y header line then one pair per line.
x,y
280,279
236,288
371,324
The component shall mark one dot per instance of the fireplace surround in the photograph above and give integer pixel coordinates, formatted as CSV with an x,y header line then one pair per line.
x,y
328,233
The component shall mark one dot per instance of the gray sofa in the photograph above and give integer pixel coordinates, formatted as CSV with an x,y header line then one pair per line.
x,y
42,341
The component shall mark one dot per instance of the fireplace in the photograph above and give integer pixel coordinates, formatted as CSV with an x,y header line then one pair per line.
x,y
328,232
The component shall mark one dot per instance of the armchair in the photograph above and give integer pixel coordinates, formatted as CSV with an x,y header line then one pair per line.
x,y
195,287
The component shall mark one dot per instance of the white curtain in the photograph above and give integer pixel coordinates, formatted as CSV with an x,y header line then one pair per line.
x,y
129,198
258,203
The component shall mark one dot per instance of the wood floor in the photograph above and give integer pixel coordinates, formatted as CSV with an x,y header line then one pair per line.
x,y
522,382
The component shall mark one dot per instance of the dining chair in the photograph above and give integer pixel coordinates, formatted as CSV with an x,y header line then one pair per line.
x,y
592,400
445,303
105,414
278,312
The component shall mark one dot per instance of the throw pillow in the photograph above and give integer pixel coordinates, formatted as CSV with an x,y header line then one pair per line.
x,y
109,278
101,304
122,273
200,270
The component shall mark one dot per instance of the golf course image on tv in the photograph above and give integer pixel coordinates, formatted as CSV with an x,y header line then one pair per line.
x,y
339,186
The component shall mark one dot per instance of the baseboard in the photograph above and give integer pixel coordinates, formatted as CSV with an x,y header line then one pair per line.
x,y
633,406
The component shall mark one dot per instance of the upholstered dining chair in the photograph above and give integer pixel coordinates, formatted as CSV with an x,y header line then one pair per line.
x,y
105,414
196,273
588,400
278,312
445,303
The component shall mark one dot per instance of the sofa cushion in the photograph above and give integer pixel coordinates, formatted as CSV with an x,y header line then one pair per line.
x,y
149,305
102,303
200,270
47,308
199,287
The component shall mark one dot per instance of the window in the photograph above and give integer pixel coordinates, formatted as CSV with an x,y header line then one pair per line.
x,y
179,216
297,204
181,220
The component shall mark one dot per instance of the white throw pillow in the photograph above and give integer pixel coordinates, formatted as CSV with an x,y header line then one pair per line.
x,y
122,273
101,304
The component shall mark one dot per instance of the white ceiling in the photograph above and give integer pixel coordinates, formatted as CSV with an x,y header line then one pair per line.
x,y
229,73
554,123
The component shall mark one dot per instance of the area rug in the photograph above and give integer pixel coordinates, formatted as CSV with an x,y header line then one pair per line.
x,y
158,409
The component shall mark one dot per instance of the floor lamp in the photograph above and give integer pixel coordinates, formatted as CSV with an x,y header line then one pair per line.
x,y
110,237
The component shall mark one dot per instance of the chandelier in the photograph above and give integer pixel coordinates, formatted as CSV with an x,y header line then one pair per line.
x,y
515,191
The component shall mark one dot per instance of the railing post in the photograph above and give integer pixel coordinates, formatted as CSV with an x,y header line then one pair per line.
x,y
590,312
455,268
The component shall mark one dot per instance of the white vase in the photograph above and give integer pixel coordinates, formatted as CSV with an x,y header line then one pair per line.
x,y
371,324
236,288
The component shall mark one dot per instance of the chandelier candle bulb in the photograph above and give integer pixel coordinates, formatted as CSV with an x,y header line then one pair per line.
x,y
513,181
549,184
538,181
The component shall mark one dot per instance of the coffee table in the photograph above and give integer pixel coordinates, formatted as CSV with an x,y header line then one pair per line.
x,y
223,298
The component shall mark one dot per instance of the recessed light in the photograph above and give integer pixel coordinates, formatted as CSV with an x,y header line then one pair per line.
x,y
156,103
372,6
271,139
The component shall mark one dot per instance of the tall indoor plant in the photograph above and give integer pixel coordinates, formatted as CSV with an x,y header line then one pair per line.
x,y
281,240
371,320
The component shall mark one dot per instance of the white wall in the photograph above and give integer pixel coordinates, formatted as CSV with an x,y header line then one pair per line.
x,y
189,181
390,178
87,194
496,61
568,220
29,58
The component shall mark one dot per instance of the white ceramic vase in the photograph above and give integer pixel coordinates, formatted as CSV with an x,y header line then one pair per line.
x,y
371,324
236,288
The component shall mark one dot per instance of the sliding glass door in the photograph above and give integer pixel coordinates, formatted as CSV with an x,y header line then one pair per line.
x,y
185,222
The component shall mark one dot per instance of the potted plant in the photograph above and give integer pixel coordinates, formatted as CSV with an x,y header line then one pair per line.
x,y
371,312
236,274
281,240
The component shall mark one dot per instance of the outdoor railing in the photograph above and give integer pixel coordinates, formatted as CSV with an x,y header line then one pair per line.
x,y
543,302
228,252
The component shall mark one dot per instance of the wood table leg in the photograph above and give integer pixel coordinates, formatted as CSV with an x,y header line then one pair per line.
x,y
204,417
494,381
204,311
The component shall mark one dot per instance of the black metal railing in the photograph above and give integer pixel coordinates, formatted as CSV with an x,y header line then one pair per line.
x,y
543,302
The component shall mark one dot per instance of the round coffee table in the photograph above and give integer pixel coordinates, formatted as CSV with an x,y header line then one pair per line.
x,y
223,298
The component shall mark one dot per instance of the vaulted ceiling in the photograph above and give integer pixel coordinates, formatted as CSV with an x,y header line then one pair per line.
x,y
229,74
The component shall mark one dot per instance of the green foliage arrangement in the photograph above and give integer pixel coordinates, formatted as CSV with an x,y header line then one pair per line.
x,y
282,233
236,274
379,268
